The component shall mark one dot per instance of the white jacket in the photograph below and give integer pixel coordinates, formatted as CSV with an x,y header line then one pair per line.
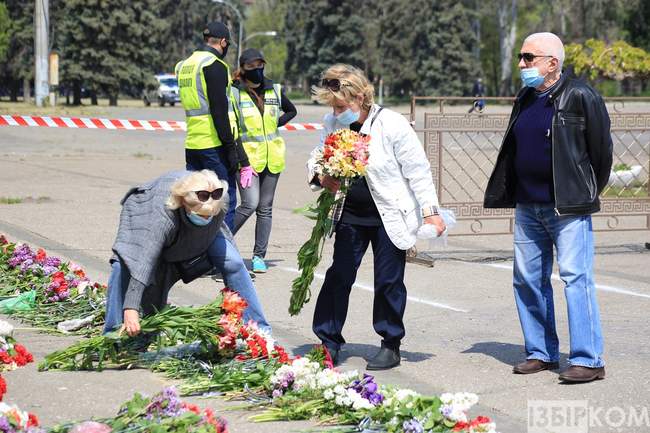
x,y
398,173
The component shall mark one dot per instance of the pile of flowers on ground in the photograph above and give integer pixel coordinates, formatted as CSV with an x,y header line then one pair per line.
x,y
307,388
46,291
14,420
344,156
161,413
12,354
209,348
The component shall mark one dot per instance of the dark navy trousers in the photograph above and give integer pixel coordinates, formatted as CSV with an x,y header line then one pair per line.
x,y
390,292
215,159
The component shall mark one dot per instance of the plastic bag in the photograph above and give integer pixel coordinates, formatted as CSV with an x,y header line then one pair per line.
x,y
23,302
428,231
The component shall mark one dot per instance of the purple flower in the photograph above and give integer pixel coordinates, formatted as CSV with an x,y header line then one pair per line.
x,y
367,388
54,262
165,404
412,426
4,425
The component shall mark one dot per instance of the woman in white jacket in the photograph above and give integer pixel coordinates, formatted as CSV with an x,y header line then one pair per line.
x,y
385,208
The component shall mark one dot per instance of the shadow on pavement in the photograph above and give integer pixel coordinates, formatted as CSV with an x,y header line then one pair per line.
x,y
507,353
366,351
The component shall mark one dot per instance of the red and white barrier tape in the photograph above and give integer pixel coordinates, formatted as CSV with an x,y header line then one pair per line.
x,y
132,125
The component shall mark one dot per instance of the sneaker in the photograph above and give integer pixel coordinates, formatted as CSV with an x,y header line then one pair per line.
x,y
259,267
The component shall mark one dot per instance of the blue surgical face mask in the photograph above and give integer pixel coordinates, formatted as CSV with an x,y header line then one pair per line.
x,y
531,77
348,117
197,219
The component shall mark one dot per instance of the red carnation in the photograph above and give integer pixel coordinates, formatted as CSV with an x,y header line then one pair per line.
x,y
32,421
40,255
3,387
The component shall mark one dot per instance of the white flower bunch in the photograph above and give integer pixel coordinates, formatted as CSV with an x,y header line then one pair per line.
x,y
329,378
302,373
455,406
347,397
19,416
6,329
399,395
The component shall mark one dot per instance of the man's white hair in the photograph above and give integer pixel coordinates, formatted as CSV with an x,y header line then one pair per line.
x,y
551,43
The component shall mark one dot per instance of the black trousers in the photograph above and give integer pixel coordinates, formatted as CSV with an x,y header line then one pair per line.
x,y
390,292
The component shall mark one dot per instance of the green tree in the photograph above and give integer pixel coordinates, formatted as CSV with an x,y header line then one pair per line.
x,y
17,68
5,27
323,32
265,16
109,45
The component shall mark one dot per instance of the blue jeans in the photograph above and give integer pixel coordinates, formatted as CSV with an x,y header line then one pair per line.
x,y
537,230
224,256
215,159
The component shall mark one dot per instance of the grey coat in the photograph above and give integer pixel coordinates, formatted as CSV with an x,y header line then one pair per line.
x,y
151,237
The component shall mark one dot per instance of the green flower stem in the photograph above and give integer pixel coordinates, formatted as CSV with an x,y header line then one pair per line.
x,y
310,253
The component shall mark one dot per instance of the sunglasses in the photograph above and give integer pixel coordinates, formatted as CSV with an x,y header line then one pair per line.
x,y
333,84
205,195
529,57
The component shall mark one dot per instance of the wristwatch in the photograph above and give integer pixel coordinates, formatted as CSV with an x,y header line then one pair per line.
x,y
430,211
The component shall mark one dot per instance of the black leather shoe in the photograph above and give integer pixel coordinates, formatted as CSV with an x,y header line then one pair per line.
x,y
385,359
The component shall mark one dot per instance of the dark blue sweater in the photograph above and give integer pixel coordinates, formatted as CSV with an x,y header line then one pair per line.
x,y
533,164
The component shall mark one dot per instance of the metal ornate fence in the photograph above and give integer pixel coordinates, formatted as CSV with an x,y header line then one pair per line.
x,y
462,148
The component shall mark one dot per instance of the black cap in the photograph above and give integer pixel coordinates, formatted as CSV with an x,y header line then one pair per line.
x,y
250,55
216,29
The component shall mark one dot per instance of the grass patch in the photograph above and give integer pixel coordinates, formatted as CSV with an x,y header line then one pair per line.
x,y
142,155
85,110
19,200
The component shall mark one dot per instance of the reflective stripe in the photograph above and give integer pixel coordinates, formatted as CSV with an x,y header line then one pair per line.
x,y
278,93
260,138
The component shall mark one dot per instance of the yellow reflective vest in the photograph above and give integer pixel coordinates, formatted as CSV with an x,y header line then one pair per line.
x,y
201,133
259,132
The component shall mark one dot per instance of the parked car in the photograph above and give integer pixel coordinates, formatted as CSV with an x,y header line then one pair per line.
x,y
165,93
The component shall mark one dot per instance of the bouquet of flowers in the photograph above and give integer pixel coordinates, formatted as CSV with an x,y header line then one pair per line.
x,y
14,420
344,156
162,413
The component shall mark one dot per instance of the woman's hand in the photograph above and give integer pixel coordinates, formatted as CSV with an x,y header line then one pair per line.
x,y
437,221
330,183
131,322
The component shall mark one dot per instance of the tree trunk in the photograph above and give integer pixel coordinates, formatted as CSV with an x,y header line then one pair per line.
x,y
112,99
26,90
507,20
15,84
93,98
76,93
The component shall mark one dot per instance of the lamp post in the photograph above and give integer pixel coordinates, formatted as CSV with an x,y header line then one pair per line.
x,y
241,23
271,33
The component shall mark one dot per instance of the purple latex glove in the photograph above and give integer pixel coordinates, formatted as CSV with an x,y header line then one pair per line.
x,y
246,176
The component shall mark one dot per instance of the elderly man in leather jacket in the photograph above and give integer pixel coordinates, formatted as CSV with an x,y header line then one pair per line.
x,y
555,160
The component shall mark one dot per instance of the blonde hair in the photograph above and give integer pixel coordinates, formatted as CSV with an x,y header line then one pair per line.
x,y
183,193
353,83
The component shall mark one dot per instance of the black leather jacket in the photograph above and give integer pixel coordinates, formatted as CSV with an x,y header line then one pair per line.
x,y
581,150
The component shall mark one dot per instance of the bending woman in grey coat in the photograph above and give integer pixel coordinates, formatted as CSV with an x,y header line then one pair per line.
x,y
174,218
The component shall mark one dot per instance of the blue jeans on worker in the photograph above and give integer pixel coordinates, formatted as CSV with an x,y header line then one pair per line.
x,y
223,255
215,159
390,292
537,230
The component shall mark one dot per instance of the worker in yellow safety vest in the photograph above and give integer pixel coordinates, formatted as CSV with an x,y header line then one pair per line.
x,y
259,102
212,140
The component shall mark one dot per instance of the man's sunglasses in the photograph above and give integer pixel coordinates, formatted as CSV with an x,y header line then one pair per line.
x,y
205,195
529,57
333,84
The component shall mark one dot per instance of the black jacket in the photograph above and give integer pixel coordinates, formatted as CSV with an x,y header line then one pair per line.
x,y
581,150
